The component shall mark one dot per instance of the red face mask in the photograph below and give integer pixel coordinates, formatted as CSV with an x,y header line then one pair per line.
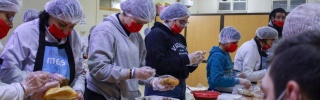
x,y
133,27
56,32
232,47
266,47
4,29
176,29
278,23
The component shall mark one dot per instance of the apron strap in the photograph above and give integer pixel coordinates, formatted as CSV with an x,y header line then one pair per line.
x,y
261,53
41,49
69,52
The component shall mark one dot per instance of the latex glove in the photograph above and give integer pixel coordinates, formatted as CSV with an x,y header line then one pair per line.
x,y
195,57
143,73
34,81
158,85
61,79
241,75
80,95
246,83
39,95
202,54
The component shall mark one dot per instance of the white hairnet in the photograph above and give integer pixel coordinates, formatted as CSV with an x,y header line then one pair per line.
x,y
66,10
267,32
30,15
175,10
142,9
305,17
10,5
229,34
147,31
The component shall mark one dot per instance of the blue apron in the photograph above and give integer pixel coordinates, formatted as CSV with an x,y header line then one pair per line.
x,y
55,58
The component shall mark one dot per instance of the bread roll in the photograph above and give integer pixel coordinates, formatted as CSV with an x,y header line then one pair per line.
x,y
170,81
64,93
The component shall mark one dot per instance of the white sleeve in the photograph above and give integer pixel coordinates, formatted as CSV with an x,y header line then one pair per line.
x,y
79,79
13,91
13,55
249,64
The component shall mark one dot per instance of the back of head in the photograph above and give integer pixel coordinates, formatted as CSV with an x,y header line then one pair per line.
x,y
297,59
66,10
144,10
175,10
229,34
30,15
266,32
10,5
305,17
275,11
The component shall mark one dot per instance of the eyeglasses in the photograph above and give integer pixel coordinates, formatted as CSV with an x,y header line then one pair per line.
x,y
9,16
183,23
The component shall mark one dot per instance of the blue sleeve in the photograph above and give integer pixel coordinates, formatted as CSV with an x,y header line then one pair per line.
x,y
215,78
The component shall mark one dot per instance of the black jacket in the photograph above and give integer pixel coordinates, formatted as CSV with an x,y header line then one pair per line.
x,y
167,52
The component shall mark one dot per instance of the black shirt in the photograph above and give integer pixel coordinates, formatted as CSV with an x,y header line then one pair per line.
x,y
167,52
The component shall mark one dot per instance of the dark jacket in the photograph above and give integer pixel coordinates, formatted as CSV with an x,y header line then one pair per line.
x,y
167,52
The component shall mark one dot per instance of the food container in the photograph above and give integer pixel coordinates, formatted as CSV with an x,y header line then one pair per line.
x,y
155,98
205,95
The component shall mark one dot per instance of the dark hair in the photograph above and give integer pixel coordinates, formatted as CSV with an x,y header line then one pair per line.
x,y
43,20
275,11
264,41
298,59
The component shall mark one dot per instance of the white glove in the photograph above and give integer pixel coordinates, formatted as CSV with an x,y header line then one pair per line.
x,y
61,79
196,58
157,83
80,95
201,57
34,82
246,83
143,73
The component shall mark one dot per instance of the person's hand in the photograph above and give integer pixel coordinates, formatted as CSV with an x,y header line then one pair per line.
x,y
39,94
61,79
80,95
34,82
202,54
195,58
246,83
143,73
241,75
158,84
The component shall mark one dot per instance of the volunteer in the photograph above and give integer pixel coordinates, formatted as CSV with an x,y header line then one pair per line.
x,y
167,50
117,54
220,74
47,44
251,57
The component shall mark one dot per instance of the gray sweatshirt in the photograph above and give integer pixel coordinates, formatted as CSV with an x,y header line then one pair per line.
x,y
111,53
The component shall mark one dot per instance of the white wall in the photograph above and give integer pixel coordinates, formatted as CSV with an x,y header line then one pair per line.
x,y
314,1
256,6
90,9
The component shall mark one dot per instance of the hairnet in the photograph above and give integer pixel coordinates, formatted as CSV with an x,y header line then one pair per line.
x,y
229,34
30,15
66,10
142,9
175,10
275,11
267,32
305,17
147,31
10,5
